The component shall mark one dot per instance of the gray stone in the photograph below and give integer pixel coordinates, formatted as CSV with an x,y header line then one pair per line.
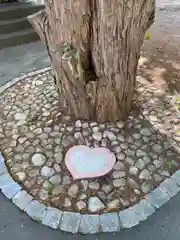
x,y
146,159
73,190
81,205
95,204
21,176
107,188
78,124
119,166
176,177
37,131
157,198
47,172
57,168
129,161
97,136
66,180
120,137
116,149
38,159
114,204
133,170
22,199
110,135
164,173
11,189
145,174
58,157
140,153
140,164
55,179
158,178
95,129
146,132
36,210
70,222
89,224
121,156
119,183
82,196
157,148
118,174
109,222
58,189
146,187
120,124
129,152
151,168
124,145
143,210
136,136
44,194
158,163
67,202
170,187
52,217
94,185
132,183
20,116
47,186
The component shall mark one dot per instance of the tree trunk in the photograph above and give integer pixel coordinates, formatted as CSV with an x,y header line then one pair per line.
x,y
94,46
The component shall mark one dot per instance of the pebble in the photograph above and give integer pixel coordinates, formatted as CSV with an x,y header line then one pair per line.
x,y
58,190
118,174
133,170
114,204
158,163
146,132
97,136
47,172
120,124
129,161
55,180
145,174
43,194
119,166
21,176
20,116
132,183
67,202
58,157
78,124
82,196
94,185
146,187
136,136
73,190
157,148
47,186
66,180
107,188
37,131
38,159
57,168
124,145
140,153
140,164
81,205
110,135
119,183
158,178
121,156
95,204
84,184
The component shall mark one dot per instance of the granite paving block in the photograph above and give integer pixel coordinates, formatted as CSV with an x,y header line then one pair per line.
x,y
10,190
36,210
5,180
89,224
109,222
157,198
128,218
143,210
170,187
22,199
70,222
52,217
3,168
1,158
176,177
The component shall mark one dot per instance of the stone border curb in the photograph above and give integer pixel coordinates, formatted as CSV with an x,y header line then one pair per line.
x,y
87,223
84,223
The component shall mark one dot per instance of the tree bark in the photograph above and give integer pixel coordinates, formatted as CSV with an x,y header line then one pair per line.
x,y
94,46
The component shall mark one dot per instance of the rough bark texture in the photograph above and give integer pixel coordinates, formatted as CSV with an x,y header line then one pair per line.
x,y
94,46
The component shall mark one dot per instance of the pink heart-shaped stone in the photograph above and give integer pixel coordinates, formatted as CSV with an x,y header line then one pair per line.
x,y
85,162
